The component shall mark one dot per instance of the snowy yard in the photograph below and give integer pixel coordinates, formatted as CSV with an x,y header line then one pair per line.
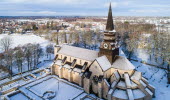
x,y
20,40
23,39
52,85
157,78
3,74
62,89
19,95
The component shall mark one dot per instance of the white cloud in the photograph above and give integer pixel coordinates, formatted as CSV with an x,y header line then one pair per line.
x,y
28,13
51,13
45,1
83,7
157,5
114,4
143,11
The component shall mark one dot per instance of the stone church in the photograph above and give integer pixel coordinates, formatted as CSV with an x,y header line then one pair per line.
x,y
104,72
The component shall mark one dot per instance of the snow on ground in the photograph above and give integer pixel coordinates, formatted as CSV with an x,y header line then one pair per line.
x,y
22,39
41,65
19,96
157,78
3,74
39,73
63,90
142,54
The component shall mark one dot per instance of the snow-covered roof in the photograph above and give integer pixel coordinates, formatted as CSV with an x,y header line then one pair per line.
x,y
123,63
121,84
127,80
121,53
116,75
58,62
104,63
67,66
136,76
81,53
138,93
77,70
118,93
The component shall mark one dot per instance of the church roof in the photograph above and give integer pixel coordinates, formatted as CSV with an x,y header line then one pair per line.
x,y
110,26
77,52
104,63
122,63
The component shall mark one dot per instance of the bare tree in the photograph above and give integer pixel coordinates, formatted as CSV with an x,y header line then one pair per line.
x,y
132,43
35,55
70,38
28,55
19,56
65,37
6,43
49,50
1,58
76,38
39,53
10,54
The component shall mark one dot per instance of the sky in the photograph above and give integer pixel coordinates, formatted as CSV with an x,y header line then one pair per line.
x,y
84,7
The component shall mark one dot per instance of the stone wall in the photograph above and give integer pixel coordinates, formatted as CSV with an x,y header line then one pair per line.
x,y
65,73
87,84
106,88
76,77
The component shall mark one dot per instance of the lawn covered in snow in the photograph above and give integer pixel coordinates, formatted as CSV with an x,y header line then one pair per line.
x,y
52,85
19,96
157,78
22,39
63,90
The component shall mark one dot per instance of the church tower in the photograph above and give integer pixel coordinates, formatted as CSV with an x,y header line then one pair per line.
x,y
109,46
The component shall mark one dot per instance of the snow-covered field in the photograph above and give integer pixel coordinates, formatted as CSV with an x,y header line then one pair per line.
x,y
3,74
62,89
156,77
63,92
22,39
19,95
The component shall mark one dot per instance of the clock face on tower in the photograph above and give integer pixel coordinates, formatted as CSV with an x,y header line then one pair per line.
x,y
105,46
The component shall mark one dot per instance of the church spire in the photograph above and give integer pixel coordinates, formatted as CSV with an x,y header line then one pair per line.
x,y
110,26
109,46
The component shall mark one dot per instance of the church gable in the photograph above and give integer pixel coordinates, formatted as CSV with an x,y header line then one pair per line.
x,y
104,63
96,69
122,63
